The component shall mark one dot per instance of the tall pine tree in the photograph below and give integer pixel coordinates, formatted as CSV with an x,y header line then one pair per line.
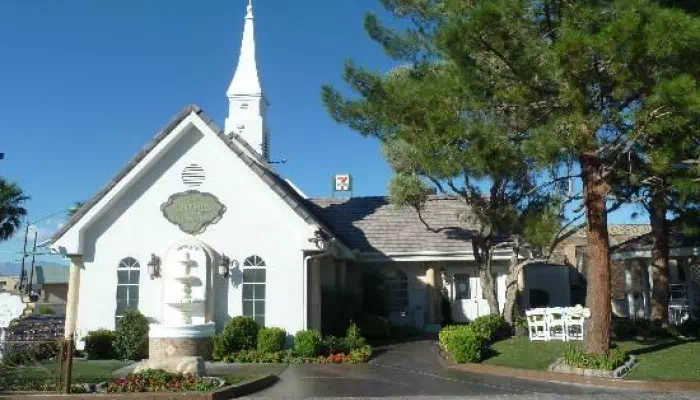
x,y
582,82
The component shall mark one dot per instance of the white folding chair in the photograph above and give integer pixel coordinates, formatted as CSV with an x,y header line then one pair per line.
x,y
537,324
556,323
574,321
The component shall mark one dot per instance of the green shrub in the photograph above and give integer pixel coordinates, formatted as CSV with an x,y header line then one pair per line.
x,y
360,355
271,340
374,327
30,353
258,357
45,310
240,333
131,336
461,343
308,343
98,344
575,356
335,345
491,328
354,338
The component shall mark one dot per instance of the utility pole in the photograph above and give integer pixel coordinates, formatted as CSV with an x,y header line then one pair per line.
x,y
24,255
31,273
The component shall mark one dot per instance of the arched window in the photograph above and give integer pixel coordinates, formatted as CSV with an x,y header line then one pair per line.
x,y
397,291
254,289
128,275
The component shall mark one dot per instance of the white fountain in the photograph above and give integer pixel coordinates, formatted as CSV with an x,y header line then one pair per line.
x,y
186,328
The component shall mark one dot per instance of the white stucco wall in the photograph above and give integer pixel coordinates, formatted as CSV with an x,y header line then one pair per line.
x,y
257,222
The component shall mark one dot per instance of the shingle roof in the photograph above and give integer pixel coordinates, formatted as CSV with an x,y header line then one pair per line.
x,y
234,143
371,224
677,240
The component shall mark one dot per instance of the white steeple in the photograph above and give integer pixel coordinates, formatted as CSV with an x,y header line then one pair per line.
x,y
247,104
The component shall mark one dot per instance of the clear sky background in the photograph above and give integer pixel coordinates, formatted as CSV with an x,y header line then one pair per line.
x,y
85,84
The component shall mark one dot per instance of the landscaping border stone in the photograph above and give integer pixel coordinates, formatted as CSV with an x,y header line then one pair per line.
x,y
560,366
227,392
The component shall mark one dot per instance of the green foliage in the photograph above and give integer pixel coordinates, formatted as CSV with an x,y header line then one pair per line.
x,y
360,355
30,353
490,328
98,344
308,343
271,340
131,336
461,344
240,333
575,356
46,310
642,328
259,357
374,327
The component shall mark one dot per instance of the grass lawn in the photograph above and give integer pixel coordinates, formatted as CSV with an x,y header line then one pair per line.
x,y
84,371
668,360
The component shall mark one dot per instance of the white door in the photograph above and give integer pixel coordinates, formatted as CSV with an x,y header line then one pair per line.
x,y
467,299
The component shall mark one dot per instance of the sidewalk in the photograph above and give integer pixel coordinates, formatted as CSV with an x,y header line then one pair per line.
x,y
545,376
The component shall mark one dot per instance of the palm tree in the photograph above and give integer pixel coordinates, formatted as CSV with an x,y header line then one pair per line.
x,y
11,211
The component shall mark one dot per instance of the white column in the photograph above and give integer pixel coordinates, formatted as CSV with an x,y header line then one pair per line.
x,y
646,288
628,291
76,264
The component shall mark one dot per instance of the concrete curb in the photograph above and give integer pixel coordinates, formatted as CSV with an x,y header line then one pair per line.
x,y
555,377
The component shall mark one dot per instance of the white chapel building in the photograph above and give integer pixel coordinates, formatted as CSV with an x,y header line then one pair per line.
x,y
199,228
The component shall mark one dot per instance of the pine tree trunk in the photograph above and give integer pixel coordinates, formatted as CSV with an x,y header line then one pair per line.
x,y
488,287
595,190
659,256
511,289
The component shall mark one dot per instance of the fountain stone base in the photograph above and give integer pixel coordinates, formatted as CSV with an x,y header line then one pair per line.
x,y
180,341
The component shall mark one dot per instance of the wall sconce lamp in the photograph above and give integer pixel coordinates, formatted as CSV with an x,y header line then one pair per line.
x,y
319,239
225,266
154,267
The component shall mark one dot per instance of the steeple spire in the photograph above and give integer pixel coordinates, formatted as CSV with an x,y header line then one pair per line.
x,y
247,103
246,80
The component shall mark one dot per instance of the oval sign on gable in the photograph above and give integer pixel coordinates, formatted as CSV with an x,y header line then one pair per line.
x,y
193,211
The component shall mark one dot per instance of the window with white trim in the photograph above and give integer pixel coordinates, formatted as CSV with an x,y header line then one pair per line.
x,y
128,276
254,275
396,284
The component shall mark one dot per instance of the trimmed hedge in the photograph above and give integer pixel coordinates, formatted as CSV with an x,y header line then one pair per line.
x,y
99,344
462,344
240,333
131,336
271,340
308,343
491,328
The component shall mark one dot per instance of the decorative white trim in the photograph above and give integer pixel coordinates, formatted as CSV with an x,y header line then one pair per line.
x,y
499,255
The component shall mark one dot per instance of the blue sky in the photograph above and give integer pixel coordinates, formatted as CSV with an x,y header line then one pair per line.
x,y
85,84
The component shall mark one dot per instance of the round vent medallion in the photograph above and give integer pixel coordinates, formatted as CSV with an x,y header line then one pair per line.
x,y
193,175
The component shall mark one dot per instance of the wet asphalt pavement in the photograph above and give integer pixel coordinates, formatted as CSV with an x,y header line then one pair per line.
x,y
414,369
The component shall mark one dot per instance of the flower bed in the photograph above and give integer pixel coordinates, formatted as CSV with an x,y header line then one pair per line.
x,y
160,381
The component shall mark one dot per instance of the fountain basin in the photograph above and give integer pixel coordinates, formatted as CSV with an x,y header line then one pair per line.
x,y
172,341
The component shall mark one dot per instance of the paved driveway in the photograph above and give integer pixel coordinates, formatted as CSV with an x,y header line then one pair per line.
x,y
415,369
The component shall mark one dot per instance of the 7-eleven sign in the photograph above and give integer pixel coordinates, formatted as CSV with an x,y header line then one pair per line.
x,y
342,183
